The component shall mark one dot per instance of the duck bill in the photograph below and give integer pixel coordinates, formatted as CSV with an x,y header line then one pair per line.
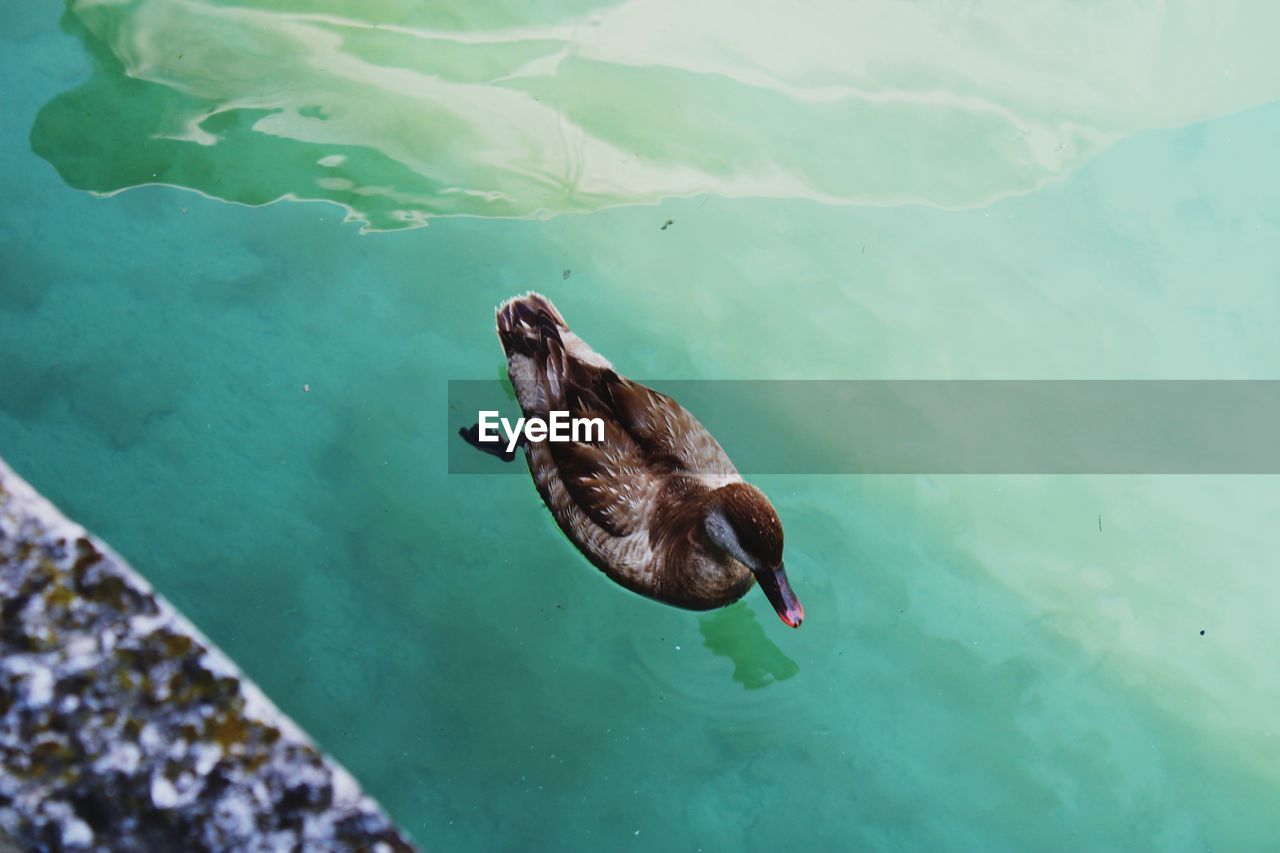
x,y
778,590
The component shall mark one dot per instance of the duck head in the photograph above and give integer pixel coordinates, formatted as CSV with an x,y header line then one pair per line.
x,y
741,523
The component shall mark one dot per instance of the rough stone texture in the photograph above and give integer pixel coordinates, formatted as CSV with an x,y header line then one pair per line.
x,y
122,728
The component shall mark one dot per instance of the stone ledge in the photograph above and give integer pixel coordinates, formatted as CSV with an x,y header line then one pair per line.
x,y
123,728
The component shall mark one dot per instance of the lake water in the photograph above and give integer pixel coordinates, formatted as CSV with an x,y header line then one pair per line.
x,y
249,401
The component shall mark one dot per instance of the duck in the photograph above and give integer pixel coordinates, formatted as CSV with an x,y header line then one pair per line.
x,y
653,502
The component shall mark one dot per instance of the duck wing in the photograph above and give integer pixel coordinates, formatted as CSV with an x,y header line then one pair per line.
x,y
665,430
610,481
648,437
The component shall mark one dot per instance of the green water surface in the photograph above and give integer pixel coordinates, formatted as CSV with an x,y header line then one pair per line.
x,y
987,662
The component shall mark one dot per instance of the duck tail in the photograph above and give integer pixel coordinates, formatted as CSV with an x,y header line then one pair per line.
x,y
526,322
532,334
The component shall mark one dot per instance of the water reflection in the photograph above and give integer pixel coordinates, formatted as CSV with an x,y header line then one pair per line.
x,y
735,634
401,112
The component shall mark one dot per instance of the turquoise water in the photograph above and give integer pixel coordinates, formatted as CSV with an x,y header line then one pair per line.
x,y
986,661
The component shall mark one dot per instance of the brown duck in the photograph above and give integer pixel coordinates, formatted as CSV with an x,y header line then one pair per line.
x,y
657,505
